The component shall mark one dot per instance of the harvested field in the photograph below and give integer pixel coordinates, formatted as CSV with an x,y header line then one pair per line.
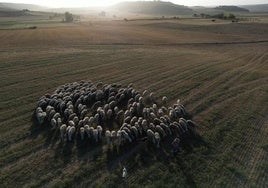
x,y
223,86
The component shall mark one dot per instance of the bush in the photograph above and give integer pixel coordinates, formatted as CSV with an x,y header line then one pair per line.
x,y
68,17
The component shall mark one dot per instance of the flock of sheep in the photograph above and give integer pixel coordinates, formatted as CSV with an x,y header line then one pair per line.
x,y
87,111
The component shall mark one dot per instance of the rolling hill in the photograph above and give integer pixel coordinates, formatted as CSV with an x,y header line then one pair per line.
x,y
256,8
232,9
153,8
20,6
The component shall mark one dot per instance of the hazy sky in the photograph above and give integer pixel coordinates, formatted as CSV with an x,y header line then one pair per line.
x,y
82,3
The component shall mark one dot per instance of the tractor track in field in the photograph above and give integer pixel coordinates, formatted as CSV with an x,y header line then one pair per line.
x,y
179,44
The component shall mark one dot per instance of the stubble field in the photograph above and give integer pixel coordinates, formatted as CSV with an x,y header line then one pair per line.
x,y
219,71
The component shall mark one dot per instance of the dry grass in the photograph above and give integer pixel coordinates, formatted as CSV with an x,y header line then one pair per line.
x,y
224,87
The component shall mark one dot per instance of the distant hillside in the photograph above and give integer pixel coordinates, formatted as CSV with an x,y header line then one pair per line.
x,y
18,6
256,8
153,7
12,13
206,10
232,9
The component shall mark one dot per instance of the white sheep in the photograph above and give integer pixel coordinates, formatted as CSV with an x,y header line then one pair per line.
x,y
113,136
109,114
99,128
71,132
144,125
108,137
71,123
166,128
59,122
164,100
53,123
150,136
119,137
135,131
157,139
56,116
125,135
49,108
41,116
88,131
63,128
161,131
145,93
95,135
82,133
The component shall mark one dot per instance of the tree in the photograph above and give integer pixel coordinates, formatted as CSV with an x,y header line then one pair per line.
x,y
68,17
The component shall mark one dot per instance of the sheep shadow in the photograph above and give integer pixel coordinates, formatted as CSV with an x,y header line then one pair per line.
x,y
44,130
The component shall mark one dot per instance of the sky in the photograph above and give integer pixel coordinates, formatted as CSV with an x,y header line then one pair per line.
x,y
85,3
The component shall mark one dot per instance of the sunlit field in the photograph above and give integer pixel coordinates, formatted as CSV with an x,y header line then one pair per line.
x,y
219,71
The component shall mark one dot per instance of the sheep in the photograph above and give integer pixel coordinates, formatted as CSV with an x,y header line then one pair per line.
x,y
157,139
191,125
155,108
119,116
99,129
157,121
183,123
71,116
109,114
82,133
49,108
135,131
56,115
122,97
160,112
75,120
71,123
138,127
53,123
166,128
144,125
51,114
71,132
126,135
127,113
150,136
108,136
63,128
116,109
152,97
96,105
175,129
127,119
41,117
151,126
112,104
128,131
159,129
59,122
164,100
133,120
91,120
119,137
88,130
83,113
152,115
95,135
145,93
113,136
85,120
